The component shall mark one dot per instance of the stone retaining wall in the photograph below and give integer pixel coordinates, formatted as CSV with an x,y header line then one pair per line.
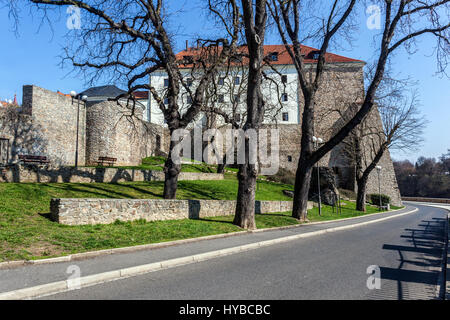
x,y
45,174
104,211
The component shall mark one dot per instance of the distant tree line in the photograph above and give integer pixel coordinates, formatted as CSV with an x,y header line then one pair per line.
x,y
428,177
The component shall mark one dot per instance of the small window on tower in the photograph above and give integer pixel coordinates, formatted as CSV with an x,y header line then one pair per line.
x,y
284,97
284,78
285,116
289,158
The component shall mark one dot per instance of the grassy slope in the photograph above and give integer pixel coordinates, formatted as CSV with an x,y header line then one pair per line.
x,y
27,233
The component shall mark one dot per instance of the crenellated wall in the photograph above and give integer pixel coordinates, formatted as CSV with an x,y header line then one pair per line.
x,y
56,117
46,125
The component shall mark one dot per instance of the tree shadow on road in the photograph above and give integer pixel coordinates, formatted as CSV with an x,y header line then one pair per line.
x,y
420,264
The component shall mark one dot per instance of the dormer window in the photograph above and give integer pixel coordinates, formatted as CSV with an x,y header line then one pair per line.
x,y
273,56
188,59
316,55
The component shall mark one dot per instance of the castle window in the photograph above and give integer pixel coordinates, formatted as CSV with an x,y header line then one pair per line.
x,y
285,116
166,82
4,151
189,82
221,81
274,56
289,158
284,97
284,78
158,142
237,80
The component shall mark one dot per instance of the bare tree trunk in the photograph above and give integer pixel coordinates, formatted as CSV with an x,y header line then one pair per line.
x,y
301,190
171,171
245,205
361,194
221,166
305,167
255,18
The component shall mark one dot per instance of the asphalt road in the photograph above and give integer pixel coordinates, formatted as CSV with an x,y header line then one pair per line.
x,y
408,251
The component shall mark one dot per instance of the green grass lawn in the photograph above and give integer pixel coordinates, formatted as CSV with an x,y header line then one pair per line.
x,y
27,233
157,164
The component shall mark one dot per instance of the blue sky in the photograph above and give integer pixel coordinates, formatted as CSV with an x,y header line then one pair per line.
x,y
32,57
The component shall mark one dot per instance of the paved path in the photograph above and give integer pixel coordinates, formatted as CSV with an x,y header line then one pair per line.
x,y
407,249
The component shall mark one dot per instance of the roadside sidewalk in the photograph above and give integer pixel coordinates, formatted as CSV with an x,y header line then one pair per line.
x,y
132,263
447,272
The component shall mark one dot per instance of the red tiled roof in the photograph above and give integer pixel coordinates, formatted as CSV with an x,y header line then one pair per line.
x,y
63,94
141,94
283,56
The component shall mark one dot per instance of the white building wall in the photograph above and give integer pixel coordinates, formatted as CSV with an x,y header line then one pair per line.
x,y
272,91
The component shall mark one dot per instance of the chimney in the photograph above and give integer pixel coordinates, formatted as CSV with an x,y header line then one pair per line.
x,y
15,99
187,45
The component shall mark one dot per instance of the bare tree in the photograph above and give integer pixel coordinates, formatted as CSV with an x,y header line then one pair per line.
x,y
224,104
404,21
396,125
254,22
128,40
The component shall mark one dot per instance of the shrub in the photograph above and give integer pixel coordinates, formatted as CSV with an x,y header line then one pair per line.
x,y
375,199
283,176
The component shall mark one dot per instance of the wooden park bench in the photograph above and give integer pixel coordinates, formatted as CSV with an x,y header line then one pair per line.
x,y
108,160
26,158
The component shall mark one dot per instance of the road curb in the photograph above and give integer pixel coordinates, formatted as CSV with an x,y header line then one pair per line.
x,y
447,269
445,282
98,253
62,286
